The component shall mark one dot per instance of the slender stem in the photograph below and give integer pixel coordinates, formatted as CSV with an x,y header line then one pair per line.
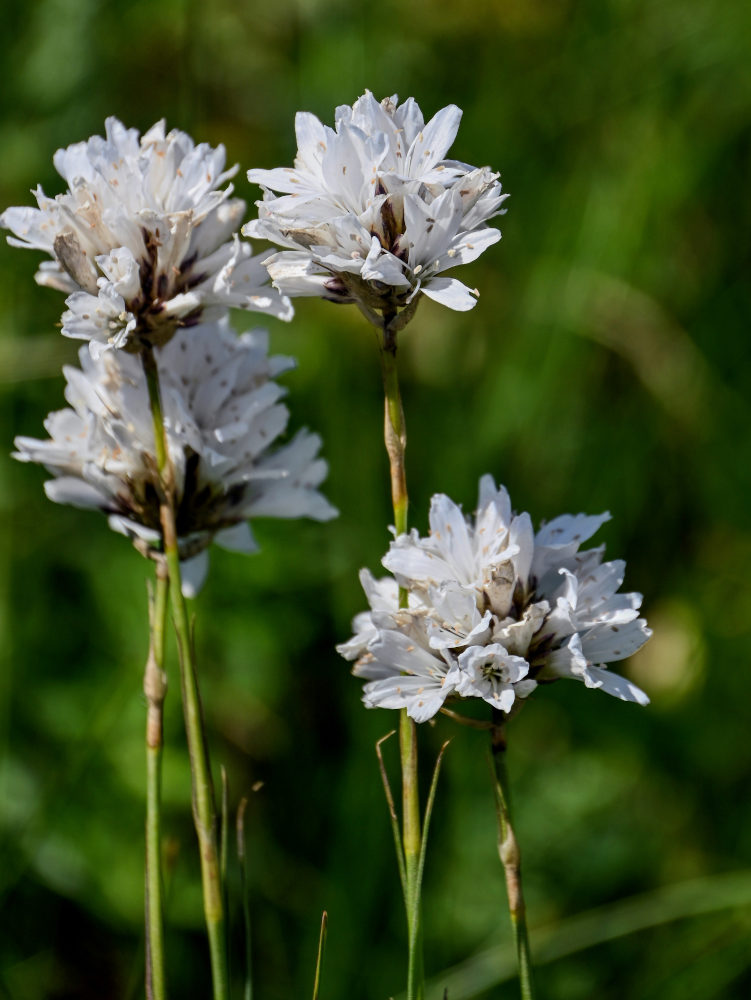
x,y
155,689
510,855
412,841
395,433
151,371
465,720
395,438
204,806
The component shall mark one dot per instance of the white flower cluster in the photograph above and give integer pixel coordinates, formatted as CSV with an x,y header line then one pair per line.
x,y
222,415
494,609
373,212
143,240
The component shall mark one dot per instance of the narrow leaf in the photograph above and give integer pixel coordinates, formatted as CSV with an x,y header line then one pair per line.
x,y
393,816
240,823
223,829
424,843
486,969
319,959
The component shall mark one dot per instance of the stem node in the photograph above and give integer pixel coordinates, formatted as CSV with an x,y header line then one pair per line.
x,y
510,855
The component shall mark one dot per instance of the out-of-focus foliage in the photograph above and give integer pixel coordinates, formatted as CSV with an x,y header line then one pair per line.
x,y
605,367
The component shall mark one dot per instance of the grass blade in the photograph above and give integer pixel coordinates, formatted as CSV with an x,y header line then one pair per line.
x,y
223,835
415,924
392,814
319,959
241,857
694,898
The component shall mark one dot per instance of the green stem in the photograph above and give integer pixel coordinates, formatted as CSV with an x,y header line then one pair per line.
x,y
395,438
395,433
148,359
510,855
155,689
412,841
204,807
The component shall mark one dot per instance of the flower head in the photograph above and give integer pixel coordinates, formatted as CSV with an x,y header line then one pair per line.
x,y
144,239
222,415
494,610
373,212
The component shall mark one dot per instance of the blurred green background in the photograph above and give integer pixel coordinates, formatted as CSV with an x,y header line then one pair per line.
x,y
605,367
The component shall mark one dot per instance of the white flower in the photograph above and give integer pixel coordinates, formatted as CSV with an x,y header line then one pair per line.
x,y
373,212
143,240
493,674
495,609
222,415
419,657
398,660
486,558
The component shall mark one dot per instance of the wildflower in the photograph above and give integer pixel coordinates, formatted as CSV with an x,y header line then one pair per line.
x,y
495,609
373,212
222,415
144,240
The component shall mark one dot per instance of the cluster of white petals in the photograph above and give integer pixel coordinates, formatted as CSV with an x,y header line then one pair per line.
x,y
494,609
372,210
144,240
222,415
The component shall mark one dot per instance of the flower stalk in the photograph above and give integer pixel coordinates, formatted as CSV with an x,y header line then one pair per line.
x,y
155,689
394,429
510,855
395,439
204,806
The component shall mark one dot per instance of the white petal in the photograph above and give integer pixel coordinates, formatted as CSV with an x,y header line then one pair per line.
x,y
607,643
466,247
452,293
410,561
238,538
279,179
194,572
380,265
569,528
434,141
618,686
449,526
401,653
421,698
76,492
132,529
522,535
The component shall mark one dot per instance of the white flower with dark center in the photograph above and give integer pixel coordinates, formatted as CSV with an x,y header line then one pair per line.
x,y
493,674
222,417
145,239
495,610
372,210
